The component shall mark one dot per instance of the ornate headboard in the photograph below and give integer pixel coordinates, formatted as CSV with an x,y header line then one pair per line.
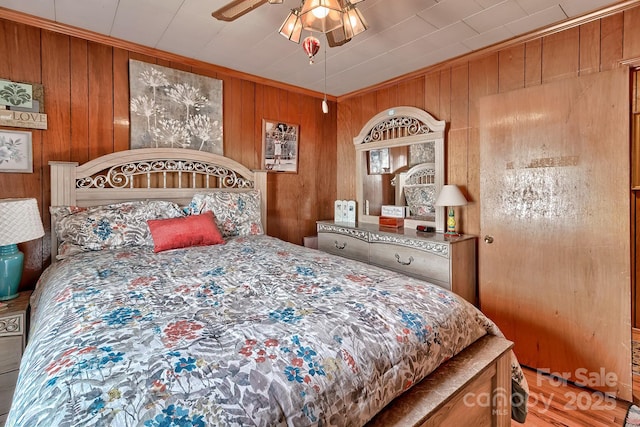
x,y
172,174
417,188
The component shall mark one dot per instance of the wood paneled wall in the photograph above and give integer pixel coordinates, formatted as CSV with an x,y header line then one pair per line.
x,y
86,99
451,91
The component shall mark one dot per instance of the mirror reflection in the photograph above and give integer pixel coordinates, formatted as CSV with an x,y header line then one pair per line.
x,y
400,161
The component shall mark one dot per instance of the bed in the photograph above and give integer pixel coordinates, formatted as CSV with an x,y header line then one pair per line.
x,y
143,320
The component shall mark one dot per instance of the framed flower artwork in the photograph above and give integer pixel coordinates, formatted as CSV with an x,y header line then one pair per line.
x,y
15,151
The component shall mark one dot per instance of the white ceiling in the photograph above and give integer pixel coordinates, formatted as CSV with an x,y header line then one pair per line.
x,y
403,35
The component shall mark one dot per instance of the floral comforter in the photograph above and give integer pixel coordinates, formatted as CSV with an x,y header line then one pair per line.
x,y
252,332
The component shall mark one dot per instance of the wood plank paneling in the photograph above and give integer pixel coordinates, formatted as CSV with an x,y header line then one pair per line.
x,y
249,123
631,41
560,55
100,63
120,100
432,94
460,97
345,153
56,79
445,95
590,48
611,41
511,72
78,145
533,63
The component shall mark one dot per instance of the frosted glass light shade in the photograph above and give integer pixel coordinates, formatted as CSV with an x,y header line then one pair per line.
x,y
292,26
321,15
353,23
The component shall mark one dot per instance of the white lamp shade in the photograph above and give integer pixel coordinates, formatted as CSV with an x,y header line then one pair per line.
x,y
450,195
19,221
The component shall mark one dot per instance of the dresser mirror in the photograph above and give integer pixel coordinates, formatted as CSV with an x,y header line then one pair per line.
x,y
414,169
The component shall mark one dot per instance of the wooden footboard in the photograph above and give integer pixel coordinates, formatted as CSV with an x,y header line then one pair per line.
x,y
472,389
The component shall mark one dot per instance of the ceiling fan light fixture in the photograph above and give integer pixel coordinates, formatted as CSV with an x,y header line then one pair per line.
x,y
235,9
337,37
321,15
354,22
291,28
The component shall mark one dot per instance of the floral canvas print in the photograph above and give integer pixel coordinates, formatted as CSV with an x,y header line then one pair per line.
x,y
15,152
173,108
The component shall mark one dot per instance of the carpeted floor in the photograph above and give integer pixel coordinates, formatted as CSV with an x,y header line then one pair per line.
x,y
633,417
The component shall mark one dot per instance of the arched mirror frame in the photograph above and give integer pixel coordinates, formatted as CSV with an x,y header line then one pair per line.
x,y
396,127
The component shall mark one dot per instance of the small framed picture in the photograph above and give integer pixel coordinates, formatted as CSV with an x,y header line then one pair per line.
x,y
15,151
379,162
279,146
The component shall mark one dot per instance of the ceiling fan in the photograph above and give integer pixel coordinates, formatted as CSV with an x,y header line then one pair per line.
x,y
236,8
338,19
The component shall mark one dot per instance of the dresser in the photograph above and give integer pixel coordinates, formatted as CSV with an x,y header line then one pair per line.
x,y
13,338
449,262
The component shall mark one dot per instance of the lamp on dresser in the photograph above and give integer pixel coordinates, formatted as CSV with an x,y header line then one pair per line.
x,y
19,222
451,196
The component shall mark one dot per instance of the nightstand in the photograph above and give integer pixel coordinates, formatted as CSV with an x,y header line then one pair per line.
x,y
13,338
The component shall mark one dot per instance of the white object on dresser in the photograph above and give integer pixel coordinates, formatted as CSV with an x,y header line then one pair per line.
x,y
13,338
351,211
446,262
337,211
392,211
345,211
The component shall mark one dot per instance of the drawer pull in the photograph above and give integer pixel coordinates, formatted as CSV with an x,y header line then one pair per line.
x,y
402,262
338,246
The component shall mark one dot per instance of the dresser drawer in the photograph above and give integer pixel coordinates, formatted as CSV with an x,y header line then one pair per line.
x,y
7,385
10,353
11,325
414,262
345,246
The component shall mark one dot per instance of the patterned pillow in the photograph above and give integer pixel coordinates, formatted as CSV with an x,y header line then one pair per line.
x,y
421,199
109,226
237,213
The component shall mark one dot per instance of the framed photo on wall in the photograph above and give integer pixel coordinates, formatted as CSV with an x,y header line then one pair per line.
x,y
279,146
15,151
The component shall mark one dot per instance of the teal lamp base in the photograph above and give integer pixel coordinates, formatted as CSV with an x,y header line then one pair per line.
x,y
11,262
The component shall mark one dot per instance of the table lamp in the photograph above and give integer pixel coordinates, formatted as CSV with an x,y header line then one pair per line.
x,y
19,222
451,196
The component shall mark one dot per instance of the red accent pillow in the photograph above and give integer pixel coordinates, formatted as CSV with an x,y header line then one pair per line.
x,y
193,230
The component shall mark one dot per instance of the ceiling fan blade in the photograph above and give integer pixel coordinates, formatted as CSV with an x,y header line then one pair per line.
x,y
235,9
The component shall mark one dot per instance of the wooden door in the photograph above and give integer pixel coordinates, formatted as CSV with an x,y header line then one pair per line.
x,y
555,200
